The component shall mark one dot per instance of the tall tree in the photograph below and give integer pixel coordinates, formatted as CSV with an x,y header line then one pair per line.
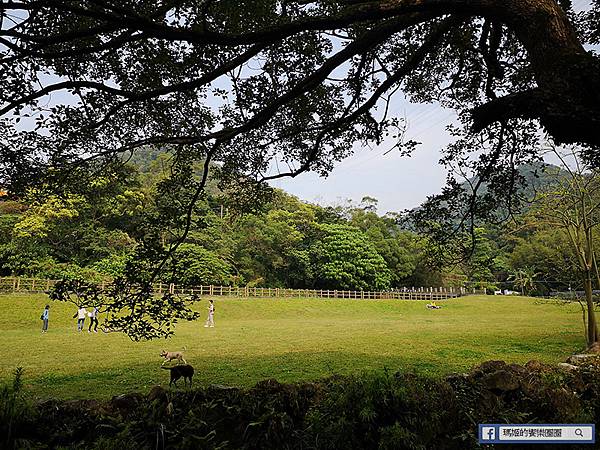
x,y
343,258
573,205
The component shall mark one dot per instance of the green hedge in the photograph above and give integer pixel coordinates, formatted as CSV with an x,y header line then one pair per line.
x,y
384,410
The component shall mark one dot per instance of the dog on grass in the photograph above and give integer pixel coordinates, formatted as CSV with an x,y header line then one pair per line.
x,y
170,356
181,371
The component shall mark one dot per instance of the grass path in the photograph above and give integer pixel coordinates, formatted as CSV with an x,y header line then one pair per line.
x,y
290,340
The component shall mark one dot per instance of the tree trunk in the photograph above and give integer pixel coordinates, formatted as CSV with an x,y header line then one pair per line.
x,y
567,97
592,329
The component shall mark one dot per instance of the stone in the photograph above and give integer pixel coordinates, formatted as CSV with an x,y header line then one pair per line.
x,y
535,366
222,388
457,377
491,366
500,381
581,358
157,392
517,369
125,403
568,367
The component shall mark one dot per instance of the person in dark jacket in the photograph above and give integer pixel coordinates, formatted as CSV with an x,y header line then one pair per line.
x,y
93,319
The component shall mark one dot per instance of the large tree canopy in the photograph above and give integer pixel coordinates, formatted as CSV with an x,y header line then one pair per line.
x,y
249,82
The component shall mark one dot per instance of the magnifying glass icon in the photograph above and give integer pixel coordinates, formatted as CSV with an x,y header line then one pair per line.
x,y
578,432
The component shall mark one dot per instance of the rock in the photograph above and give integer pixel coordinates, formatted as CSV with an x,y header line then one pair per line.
x,y
594,348
157,392
535,366
566,366
457,377
581,358
517,369
458,380
125,403
491,366
500,381
222,388
90,405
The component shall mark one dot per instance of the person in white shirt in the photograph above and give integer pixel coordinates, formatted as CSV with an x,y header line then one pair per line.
x,y
210,322
81,314
45,316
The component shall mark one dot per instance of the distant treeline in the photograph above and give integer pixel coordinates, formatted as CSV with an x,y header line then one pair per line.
x,y
92,230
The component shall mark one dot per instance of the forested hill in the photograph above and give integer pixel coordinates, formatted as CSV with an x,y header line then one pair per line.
x,y
536,176
144,158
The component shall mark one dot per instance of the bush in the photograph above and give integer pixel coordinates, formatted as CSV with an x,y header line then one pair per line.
x,y
64,271
112,266
373,411
383,411
12,207
16,413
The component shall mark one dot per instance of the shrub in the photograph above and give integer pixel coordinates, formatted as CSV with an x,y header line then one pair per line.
x,y
383,410
112,266
49,268
16,413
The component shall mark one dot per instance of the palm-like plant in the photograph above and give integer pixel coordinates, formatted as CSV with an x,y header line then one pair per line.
x,y
524,279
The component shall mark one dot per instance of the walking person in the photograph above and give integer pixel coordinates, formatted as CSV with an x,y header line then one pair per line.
x,y
210,322
93,319
45,316
81,314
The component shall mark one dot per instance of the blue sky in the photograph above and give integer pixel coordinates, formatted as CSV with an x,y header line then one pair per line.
x,y
397,182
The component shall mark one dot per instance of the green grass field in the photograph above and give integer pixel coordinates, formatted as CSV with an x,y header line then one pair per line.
x,y
289,340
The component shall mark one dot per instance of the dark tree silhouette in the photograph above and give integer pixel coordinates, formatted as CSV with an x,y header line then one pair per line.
x,y
246,82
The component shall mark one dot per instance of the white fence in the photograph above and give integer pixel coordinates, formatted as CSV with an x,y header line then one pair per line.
x,y
36,285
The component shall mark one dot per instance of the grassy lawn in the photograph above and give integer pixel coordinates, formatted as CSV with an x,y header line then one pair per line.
x,y
290,340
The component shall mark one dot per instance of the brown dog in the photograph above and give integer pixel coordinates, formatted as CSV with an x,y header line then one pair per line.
x,y
170,356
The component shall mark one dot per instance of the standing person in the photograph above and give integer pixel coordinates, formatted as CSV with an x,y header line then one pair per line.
x,y
81,315
93,320
210,322
45,316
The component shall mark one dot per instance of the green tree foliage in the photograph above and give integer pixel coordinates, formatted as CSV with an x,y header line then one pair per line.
x,y
548,252
272,249
400,249
193,265
93,234
524,279
572,205
343,258
483,263
56,233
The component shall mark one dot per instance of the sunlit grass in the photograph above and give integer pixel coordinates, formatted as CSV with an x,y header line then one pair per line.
x,y
290,340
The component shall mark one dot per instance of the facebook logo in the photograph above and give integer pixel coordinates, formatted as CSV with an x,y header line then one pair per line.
x,y
538,433
487,433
